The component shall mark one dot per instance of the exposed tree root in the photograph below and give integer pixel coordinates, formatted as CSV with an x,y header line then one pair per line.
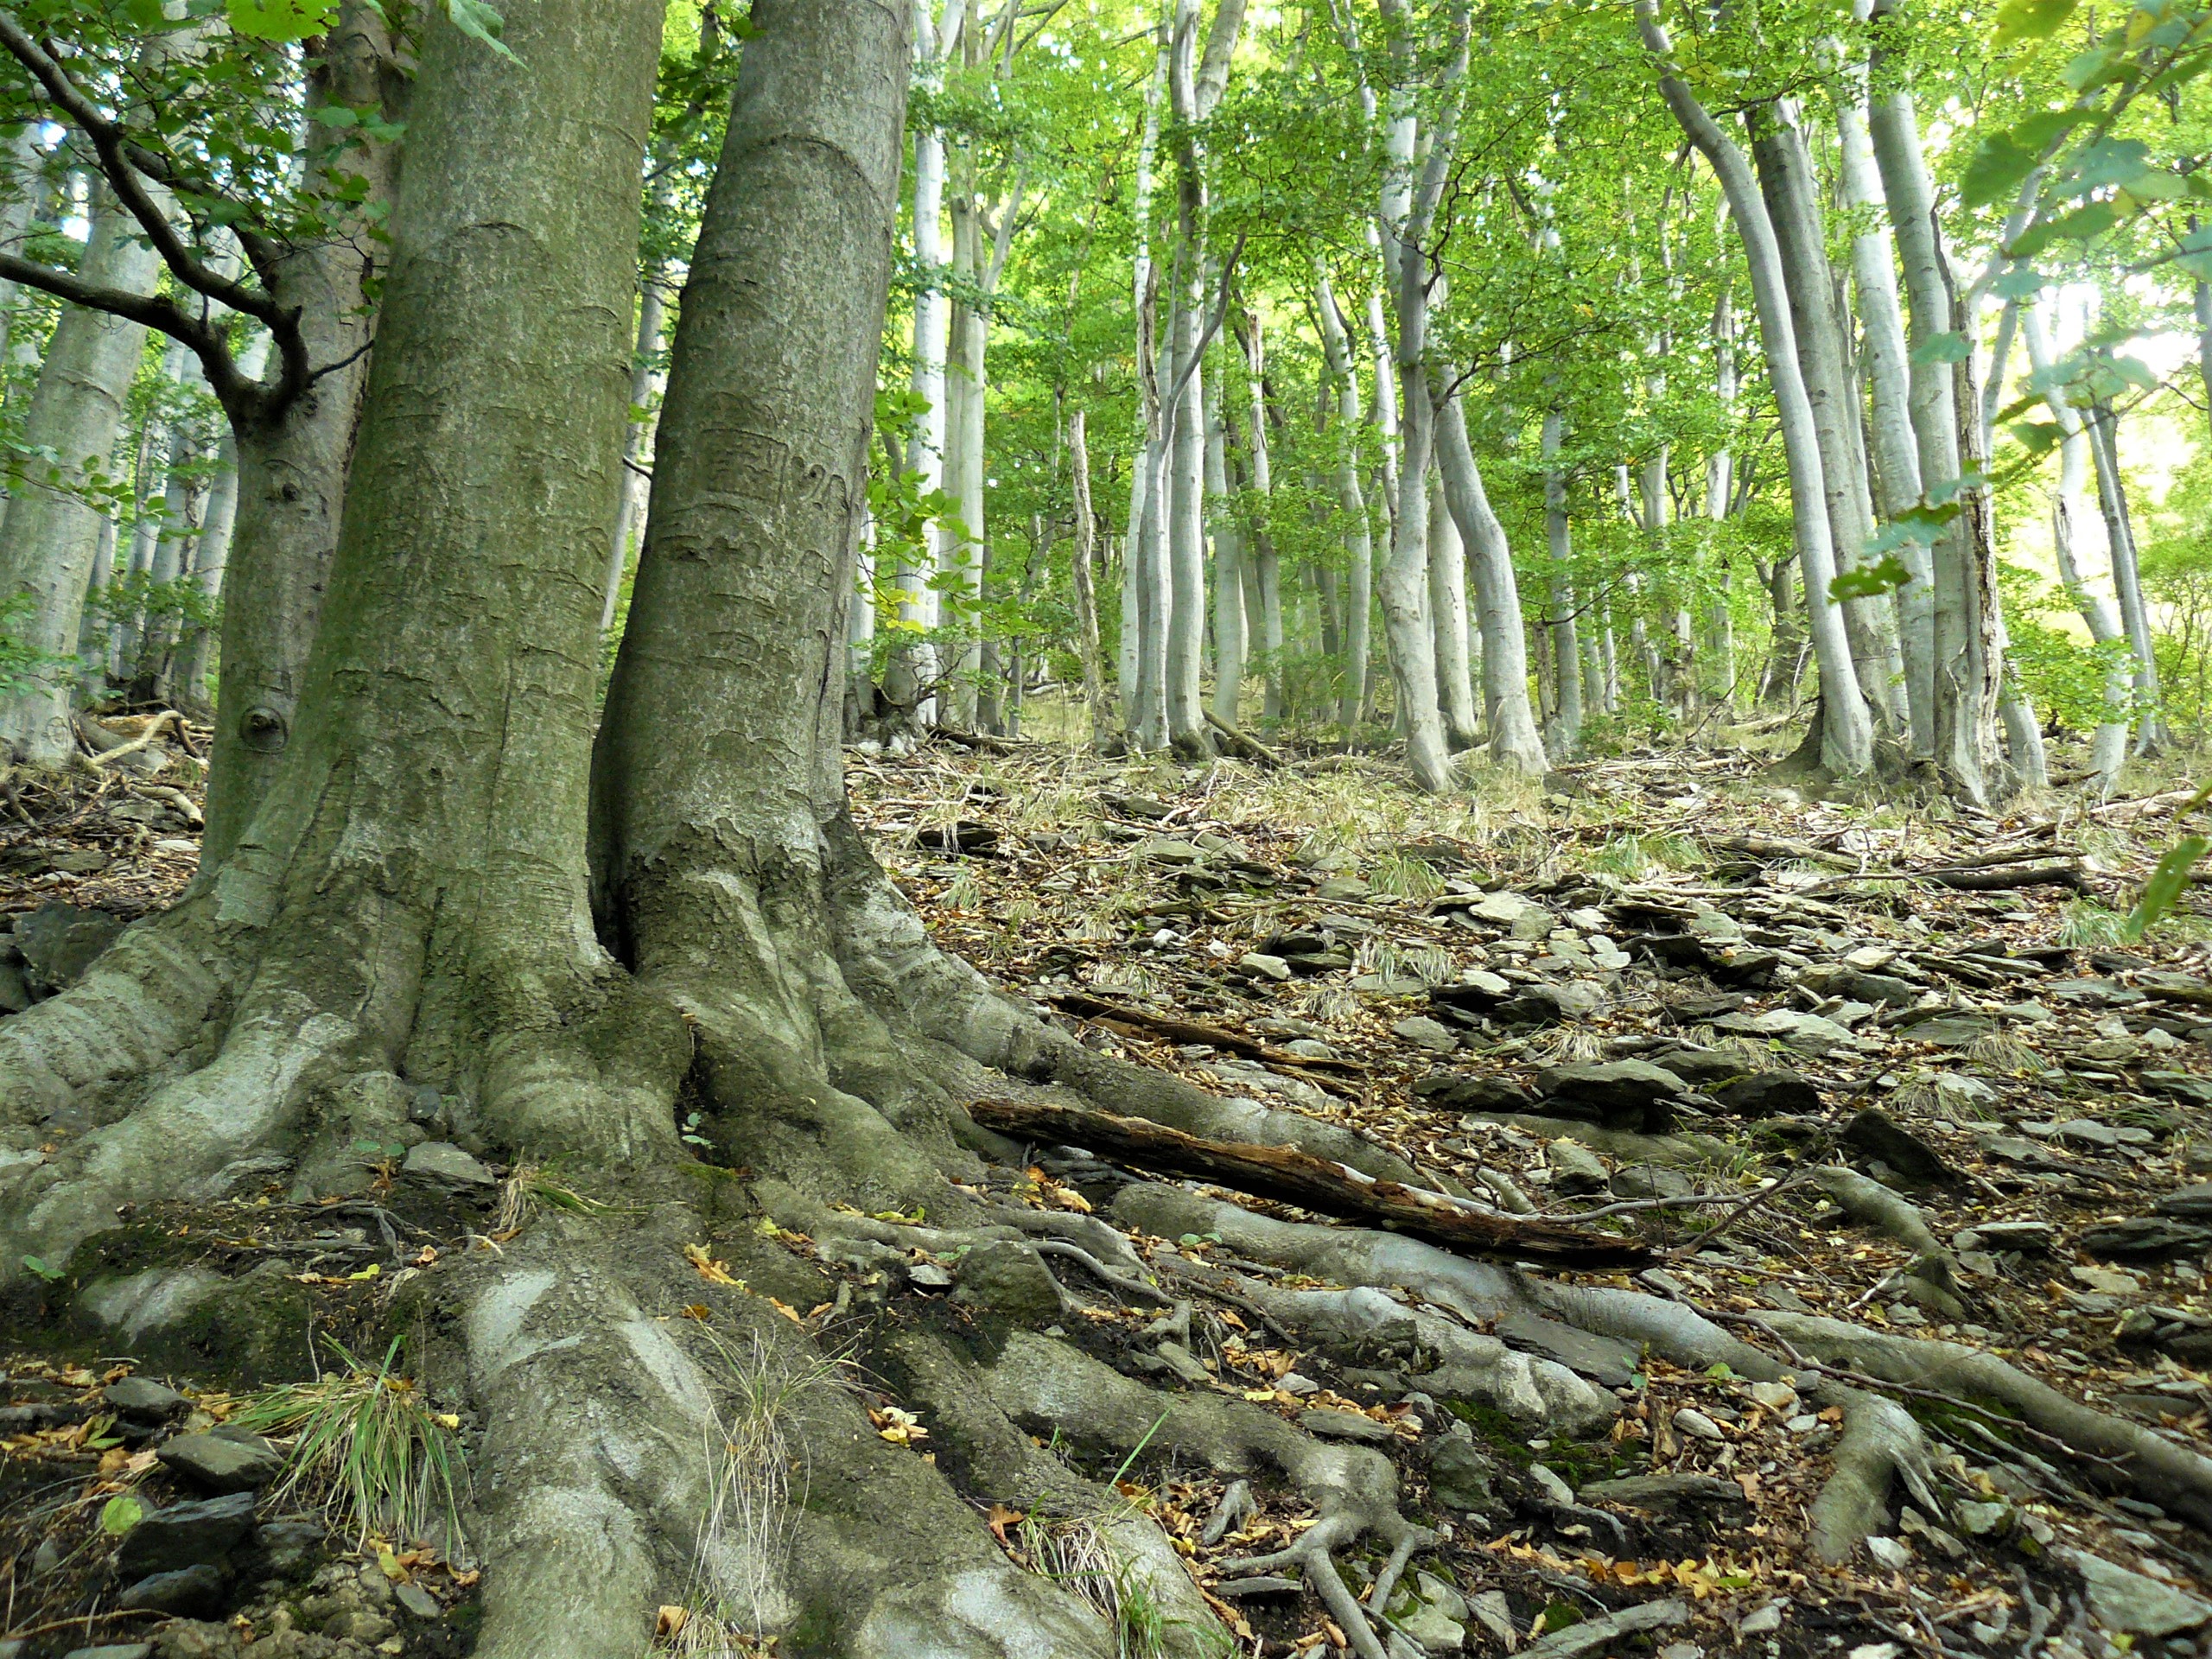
x,y
1881,1442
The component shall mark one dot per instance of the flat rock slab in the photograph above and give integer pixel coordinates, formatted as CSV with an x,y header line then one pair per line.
x,y
1660,1492
224,1461
1877,1134
1621,1094
2147,1237
142,1398
2134,1602
189,1592
59,942
1606,1360
441,1163
185,1534
1766,1094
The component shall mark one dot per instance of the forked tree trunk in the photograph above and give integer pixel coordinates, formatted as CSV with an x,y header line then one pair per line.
x,y
1515,739
1447,611
292,467
1847,737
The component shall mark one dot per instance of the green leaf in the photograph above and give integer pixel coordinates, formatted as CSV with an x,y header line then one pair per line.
x,y
37,1265
2109,161
2165,888
280,20
334,115
2020,283
1949,347
121,1513
2032,20
1884,576
2036,438
1996,170
147,13
480,21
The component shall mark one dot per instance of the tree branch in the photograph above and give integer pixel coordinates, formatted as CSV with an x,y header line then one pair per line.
x,y
127,168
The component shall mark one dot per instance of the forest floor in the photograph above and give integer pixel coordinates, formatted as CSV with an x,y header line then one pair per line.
x,y
1660,992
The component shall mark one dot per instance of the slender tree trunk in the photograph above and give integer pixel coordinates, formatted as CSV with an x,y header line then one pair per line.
x,y
1187,555
1139,617
1789,186
1086,601
1965,681
1351,504
1846,739
963,554
1895,448
51,533
1447,610
1515,739
2109,747
630,508
1230,638
1267,568
2103,431
1567,644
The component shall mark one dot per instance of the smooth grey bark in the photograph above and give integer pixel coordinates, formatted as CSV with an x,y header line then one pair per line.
x,y
1790,188
1895,446
2200,303
1966,661
1351,501
1267,568
1719,500
1447,612
1230,623
1086,594
1566,735
630,508
914,668
2103,432
1847,737
1140,603
2108,746
1515,740
51,532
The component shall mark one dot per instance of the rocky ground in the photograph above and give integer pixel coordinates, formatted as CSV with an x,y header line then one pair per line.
x,y
1831,1062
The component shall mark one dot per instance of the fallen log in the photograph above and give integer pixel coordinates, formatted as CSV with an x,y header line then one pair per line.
x,y
1241,743
1172,1026
1994,879
1315,1183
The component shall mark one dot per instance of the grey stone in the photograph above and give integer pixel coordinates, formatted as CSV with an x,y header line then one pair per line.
x,y
1432,1630
1166,850
1506,908
2146,1238
1766,1094
1551,1485
2092,993
59,942
141,1397
1424,1033
2035,1237
1492,1611
1874,1133
1007,1278
1762,1621
1267,966
14,989
1982,1520
1459,1474
1185,1363
1575,1169
1538,1005
185,1534
224,1460
1621,1094
1604,1634
2134,1602
1345,1426
1894,1554
189,1592
441,1163
1651,1181
2189,1202
1698,1066
1454,1091
418,1601
1608,1360
1950,1031
1808,1033
1693,1422
113,1650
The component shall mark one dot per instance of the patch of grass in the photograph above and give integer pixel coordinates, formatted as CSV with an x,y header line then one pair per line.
x,y
2087,923
532,1188
1633,856
1077,1553
1403,877
367,1440
755,1484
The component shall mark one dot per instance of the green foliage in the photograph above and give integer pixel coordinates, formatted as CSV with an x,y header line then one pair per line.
x,y
22,664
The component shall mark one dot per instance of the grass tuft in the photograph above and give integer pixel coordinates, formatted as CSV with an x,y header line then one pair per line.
x,y
371,1445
